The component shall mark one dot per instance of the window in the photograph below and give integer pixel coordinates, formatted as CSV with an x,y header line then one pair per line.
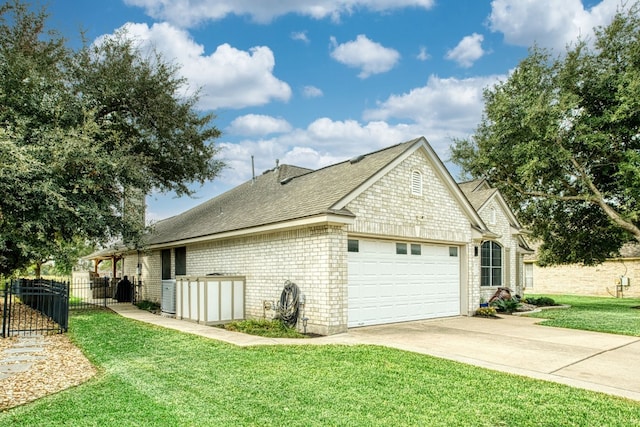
x,y
491,261
453,251
166,264
416,249
401,248
181,261
353,245
416,183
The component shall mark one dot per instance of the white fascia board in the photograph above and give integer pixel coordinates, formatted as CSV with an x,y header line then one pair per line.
x,y
327,218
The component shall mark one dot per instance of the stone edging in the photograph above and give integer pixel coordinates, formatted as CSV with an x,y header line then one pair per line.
x,y
539,309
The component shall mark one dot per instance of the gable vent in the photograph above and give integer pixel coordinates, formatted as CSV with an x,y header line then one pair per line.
x,y
416,183
356,159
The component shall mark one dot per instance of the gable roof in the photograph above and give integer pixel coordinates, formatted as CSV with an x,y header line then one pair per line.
x,y
474,185
282,194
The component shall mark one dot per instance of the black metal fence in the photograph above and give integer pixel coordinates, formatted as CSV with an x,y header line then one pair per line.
x,y
102,292
35,306
42,306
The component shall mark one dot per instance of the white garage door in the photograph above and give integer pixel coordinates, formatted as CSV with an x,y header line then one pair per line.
x,y
388,287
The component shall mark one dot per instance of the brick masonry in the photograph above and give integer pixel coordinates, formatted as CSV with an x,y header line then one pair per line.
x,y
599,280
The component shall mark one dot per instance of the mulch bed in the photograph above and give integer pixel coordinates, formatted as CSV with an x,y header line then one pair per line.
x,y
62,366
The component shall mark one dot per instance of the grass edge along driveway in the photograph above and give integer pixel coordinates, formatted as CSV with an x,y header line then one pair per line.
x,y
152,376
600,314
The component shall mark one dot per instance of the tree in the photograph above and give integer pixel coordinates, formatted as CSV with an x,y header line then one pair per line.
x,y
561,139
80,132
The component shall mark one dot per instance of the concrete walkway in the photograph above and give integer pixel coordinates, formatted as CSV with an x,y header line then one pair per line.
x,y
590,360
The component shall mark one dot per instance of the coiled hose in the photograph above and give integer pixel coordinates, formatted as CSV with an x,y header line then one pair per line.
x,y
289,305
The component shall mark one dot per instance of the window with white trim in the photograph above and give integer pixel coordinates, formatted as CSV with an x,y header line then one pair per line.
x,y
416,183
491,264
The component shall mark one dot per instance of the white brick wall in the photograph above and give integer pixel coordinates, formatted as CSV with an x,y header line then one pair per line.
x,y
314,258
389,209
509,243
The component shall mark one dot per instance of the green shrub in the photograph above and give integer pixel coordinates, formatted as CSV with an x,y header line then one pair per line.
x,y
540,301
486,312
151,306
506,305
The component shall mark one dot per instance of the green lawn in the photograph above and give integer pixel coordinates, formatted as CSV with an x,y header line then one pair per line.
x,y
613,315
152,376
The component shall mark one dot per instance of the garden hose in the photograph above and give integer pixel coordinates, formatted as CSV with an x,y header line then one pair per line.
x,y
289,305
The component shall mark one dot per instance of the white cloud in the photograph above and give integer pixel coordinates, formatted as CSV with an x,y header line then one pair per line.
x,y
323,142
369,56
441,110
549,23
186,13
467,51
258,125
300,36
311,92
450,104
227,78
423,55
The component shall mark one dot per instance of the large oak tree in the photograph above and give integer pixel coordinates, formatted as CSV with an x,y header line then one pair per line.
x,y
81,131
561,139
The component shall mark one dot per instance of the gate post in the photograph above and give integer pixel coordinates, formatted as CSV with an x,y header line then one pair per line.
x,y
5,312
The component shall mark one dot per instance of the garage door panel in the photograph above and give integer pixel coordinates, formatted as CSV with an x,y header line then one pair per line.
x,y
386,287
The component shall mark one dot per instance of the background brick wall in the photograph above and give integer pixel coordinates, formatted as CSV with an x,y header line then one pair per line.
x,y
597,280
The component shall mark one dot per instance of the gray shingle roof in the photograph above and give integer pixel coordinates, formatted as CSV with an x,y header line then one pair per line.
x,y
471,186
271,198
479,197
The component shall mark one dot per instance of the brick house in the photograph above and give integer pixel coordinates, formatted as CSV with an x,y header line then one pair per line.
x,y
616,277
385,237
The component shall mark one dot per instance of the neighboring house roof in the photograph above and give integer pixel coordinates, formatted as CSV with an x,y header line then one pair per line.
x,y
474,185
630,250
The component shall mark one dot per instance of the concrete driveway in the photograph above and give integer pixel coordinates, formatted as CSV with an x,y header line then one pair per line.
x,y
595,361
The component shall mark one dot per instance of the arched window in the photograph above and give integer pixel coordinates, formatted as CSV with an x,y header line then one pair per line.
x,y
416,183
491,260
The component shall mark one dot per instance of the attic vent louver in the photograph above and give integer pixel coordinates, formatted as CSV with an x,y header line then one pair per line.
x,y
286,180
356,159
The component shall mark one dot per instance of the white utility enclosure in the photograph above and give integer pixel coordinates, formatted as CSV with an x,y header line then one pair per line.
x,y
210,299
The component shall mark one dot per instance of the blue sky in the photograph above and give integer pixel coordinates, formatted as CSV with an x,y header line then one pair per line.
x,y
315,82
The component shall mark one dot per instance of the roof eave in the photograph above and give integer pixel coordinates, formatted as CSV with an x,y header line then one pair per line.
x,y
341,217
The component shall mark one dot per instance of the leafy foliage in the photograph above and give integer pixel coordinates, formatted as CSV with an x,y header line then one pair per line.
x,y
560,139
540,301
506,305
84,135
